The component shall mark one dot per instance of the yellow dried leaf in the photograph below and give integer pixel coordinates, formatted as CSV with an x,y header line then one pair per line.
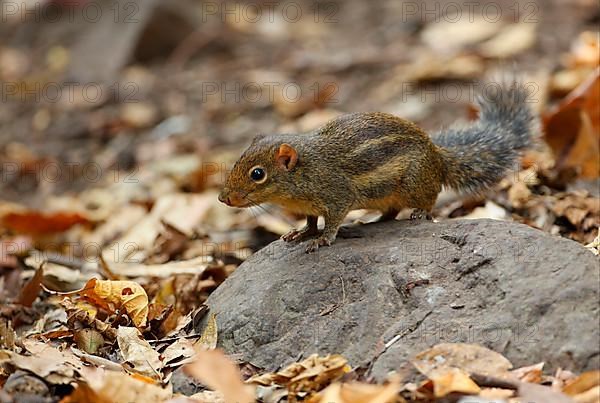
x,y
310,375
112,295
319,365
109,386
209,335
86,307
453,380
357,393
166,293
582,383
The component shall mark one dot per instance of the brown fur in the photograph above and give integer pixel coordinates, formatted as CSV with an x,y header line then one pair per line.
x,y
366,160
380,161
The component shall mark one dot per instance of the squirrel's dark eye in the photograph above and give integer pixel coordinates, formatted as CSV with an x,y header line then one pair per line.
x,y
257,174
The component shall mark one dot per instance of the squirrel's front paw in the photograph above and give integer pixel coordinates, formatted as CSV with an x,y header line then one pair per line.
x,y
314,244
299,235
291,235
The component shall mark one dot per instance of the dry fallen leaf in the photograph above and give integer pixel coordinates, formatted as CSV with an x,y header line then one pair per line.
x,y
582,211
112,387
310,375
530,373
531,392
561,378
112,295
590,396
453,380
207,396
179,210
489,210
47,362
471,358
97,362
581,60
192,266
219,373
494,394
585,50
573,129
178,353
209,334
36,223
452,34
584,382
117,223
511,40
188,211
32,288
137,353
519,194
7,334
431,67
83,393
88,340
62,278
51,321
594,246
358,393
138,114
84,312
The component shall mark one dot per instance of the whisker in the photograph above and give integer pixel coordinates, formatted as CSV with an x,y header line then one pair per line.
x,y
257,205
272,210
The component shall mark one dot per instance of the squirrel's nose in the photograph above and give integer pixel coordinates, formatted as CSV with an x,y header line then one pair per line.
x,y
223,198
232,198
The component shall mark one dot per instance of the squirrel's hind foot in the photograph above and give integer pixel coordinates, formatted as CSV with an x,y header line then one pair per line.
x,y
420,214
314,244
389,215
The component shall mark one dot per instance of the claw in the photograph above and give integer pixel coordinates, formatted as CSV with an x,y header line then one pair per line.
x,y
299,235
290,236
314,244
419,214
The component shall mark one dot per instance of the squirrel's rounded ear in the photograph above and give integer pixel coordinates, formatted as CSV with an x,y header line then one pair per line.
x,y
286,156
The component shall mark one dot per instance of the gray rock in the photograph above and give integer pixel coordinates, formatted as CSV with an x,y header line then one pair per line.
x,y
523,293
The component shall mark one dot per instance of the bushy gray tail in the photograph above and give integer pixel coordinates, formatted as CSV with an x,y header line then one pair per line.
x,y
477,156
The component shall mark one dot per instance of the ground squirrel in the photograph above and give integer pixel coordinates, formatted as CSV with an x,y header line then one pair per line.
x,y
379,161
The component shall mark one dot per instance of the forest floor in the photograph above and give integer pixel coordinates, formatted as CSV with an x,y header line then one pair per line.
x,y
117,131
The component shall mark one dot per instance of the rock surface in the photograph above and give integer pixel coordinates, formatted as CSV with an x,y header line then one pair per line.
x,y
386,291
